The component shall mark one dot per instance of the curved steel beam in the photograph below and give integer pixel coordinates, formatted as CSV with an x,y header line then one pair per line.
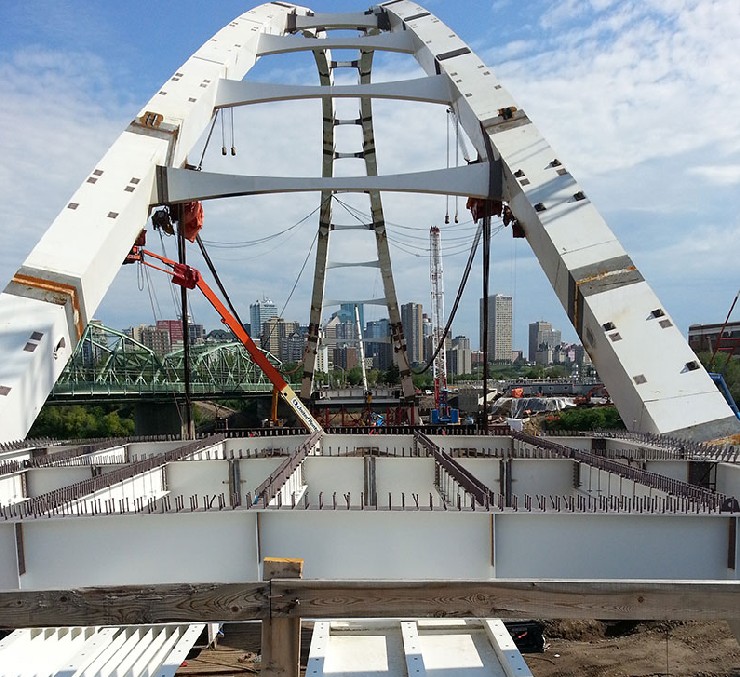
x,y
652,375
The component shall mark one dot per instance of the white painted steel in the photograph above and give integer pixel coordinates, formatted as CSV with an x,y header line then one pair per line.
x,y
227,546
11,489
435,89
614,311
645,368
8,558
143,651
170,548
387,42
645,547
333,20
43,480
183,185
414,648
509,656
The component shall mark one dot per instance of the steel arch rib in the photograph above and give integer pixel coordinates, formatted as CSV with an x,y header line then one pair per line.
x,y
652,375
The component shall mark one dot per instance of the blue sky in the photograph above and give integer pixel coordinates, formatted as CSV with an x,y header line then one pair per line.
x,y
641,99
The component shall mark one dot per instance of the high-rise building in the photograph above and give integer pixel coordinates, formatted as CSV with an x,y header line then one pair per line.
x,y
259,313
500,327
459,357
173,327
275,334
412,319
378,343
158,340
543,339
347,313
196,332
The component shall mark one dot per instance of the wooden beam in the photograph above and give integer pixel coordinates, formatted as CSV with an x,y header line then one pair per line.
x,y
135,605
294,599
281,637
638,600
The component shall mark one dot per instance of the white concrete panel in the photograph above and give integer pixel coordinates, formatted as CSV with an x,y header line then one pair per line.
x,y
327,475
408,475
487,470
42,480
449,654
370,544
728,479
11,489
255,471
8,559
678,470
362,655
139,549
542,477
198,477
610,547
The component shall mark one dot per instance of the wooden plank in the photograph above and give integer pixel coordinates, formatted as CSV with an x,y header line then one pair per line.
x,y
293,599
135,605
281,637
638,600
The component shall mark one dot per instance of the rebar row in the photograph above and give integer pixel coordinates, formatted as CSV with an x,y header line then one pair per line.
x,y
637,475
77,491
686,448
465,502
274,483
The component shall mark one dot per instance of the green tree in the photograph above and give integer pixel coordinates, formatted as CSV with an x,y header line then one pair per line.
x,y
584,418
392,376
80,422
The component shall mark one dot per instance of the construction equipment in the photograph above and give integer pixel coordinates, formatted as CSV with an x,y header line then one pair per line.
x,y
598,390
442,413
188,277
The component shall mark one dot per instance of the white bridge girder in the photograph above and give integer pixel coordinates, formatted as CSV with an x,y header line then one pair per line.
x,y
229,545
563,519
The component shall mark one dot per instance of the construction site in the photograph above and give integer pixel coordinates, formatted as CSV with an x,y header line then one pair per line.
x,y
388,544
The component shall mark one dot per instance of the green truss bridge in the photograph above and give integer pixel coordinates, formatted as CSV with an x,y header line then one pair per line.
x,y
109,365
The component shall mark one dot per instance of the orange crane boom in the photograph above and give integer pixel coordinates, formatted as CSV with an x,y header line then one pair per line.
x,y
189,277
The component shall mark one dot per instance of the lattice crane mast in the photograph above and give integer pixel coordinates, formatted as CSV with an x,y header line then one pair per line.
x,y
439,365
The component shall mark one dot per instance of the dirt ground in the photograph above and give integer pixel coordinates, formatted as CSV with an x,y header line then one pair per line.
x,y
590,648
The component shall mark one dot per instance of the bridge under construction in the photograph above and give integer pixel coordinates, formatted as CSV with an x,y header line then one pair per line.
x,y
400,523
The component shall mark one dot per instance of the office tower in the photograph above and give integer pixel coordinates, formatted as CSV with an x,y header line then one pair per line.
x,y
412,319
500,329
259,313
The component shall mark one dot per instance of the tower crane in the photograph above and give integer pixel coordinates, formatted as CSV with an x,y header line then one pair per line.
x,y
441,412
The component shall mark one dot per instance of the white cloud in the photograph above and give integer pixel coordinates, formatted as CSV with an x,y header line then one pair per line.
x,y
723,175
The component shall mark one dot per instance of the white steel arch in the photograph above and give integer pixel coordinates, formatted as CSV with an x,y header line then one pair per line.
x,y
653,377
